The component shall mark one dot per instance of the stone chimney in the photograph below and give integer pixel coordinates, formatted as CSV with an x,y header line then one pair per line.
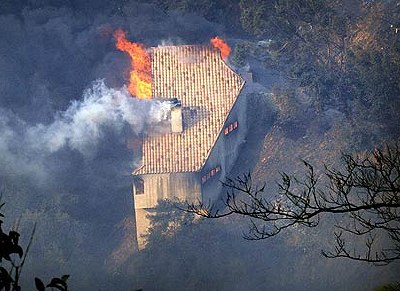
x,y
176,117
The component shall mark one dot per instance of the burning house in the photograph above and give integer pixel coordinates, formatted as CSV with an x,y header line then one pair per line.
x,y
207,127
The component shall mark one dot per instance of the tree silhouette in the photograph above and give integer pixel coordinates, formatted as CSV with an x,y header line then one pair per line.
x,y
366,190
9,248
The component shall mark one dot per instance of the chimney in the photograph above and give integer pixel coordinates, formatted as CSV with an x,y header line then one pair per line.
x,y
176,116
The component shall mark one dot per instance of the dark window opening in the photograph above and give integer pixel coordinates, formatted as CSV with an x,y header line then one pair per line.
x,y
139,186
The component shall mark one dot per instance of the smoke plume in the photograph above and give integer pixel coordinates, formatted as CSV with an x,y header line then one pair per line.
x,y
81,127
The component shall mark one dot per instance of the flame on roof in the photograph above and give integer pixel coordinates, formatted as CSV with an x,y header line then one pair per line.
x,y
207,89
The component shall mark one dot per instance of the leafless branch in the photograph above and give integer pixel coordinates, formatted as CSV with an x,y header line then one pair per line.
x,y
367,190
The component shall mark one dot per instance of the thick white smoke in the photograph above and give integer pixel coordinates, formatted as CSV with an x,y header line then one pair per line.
x,y
81,127
72,166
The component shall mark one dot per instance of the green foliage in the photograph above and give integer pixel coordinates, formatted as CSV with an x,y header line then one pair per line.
x,y
376,72
254,17
200,7
347,56
282,19
240,52
220,11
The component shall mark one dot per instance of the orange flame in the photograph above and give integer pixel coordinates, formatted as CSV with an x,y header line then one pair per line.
x,y
140,75
223,47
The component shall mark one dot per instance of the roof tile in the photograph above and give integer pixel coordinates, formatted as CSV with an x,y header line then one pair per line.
x,y
207,88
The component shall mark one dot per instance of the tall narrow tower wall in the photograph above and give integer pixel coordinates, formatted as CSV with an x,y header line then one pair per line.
x,y
226,150
176,120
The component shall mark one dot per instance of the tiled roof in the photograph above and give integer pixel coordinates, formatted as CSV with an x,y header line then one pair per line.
x,y
207,88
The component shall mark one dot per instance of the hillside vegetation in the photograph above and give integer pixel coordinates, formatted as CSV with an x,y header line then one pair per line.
x,y
330,72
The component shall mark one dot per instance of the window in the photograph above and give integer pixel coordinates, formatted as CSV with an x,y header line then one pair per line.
x,y
139,186
231,127
210,174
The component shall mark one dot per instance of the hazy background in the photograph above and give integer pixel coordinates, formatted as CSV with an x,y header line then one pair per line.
x,y
64,162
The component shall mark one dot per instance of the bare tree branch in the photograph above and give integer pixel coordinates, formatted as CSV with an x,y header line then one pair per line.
x,y
367,190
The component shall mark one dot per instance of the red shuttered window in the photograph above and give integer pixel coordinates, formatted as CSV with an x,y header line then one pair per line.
x,y
231,127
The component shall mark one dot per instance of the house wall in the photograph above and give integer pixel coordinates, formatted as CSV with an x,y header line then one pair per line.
x,y
167,186
225,151
185,186
189,186
142,226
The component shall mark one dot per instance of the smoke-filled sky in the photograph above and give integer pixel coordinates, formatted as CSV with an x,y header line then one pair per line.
x,y
65,117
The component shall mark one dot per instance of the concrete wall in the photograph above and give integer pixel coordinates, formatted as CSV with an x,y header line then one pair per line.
x,y
142,226
185,186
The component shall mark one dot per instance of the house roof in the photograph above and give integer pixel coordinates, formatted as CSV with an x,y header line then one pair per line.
x,y
207,88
